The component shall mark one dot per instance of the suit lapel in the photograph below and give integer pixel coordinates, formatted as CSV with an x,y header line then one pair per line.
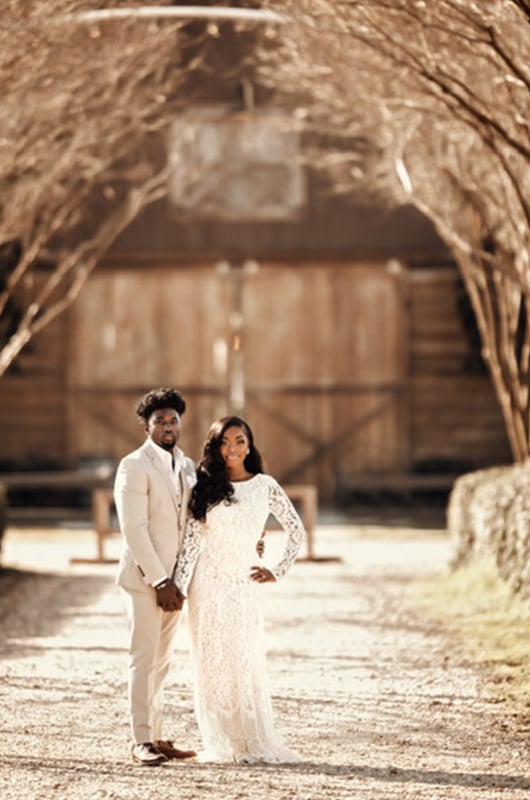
x,y
164,475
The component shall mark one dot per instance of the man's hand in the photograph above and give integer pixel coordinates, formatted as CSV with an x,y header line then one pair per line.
x,y
169,597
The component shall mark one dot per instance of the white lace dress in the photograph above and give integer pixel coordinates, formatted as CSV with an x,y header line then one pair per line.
x,y
232,700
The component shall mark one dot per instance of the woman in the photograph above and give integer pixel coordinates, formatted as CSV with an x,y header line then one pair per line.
x,y
229,507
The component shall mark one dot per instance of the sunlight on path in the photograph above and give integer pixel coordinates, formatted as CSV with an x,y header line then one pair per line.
x,y
364,687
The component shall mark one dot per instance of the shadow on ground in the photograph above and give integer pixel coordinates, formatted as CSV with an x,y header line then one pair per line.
x,y
23,618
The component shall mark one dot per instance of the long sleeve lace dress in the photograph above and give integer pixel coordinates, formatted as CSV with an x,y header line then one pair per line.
x,y
232,700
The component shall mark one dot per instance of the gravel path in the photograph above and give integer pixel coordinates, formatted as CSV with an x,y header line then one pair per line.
x,y
371,693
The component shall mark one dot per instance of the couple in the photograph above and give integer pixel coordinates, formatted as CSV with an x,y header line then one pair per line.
x,y
212,519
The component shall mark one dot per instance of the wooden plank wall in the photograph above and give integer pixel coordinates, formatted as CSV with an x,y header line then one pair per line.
x,y
350,369
322,359
326,370
455,418
33,401
135,330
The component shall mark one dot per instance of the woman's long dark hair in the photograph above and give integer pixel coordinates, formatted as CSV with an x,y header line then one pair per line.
x,y
213,485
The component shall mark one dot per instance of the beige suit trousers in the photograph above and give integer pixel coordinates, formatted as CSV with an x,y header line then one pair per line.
x,y
151,636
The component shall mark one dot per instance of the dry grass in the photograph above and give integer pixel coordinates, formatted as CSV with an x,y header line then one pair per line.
x,y
491,625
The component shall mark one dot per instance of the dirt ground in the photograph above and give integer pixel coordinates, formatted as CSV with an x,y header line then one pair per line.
x,y
376,697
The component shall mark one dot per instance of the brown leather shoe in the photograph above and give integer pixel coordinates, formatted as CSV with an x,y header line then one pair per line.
x,y
170,751
148,755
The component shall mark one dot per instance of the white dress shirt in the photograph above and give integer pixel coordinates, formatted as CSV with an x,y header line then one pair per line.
x,y
172,461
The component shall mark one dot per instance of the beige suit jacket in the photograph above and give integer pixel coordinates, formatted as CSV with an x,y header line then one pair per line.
x,y
152,516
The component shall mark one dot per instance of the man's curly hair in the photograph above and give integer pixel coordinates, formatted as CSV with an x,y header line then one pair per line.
x,y
160,398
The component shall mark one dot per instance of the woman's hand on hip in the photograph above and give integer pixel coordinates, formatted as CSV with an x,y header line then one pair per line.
x,y
262,575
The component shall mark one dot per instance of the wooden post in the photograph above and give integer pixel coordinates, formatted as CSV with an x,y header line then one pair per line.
x,y
102,500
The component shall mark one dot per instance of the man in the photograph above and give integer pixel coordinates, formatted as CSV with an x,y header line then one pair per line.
x,y
151,493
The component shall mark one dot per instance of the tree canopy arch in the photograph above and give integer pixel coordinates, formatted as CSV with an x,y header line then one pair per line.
x,y
440,90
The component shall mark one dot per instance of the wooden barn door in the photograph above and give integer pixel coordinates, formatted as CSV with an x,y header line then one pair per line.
x,y
325,371
318,350
138,329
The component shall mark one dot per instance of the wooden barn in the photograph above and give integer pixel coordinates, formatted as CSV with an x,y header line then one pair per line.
x,y
344,337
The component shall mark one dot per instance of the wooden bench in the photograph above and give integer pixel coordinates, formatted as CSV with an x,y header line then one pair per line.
x,y
94,480
89,478
103,502
55,482
398,482
97,481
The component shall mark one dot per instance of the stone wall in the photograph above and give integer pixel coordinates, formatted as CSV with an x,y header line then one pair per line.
x,y
488,517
